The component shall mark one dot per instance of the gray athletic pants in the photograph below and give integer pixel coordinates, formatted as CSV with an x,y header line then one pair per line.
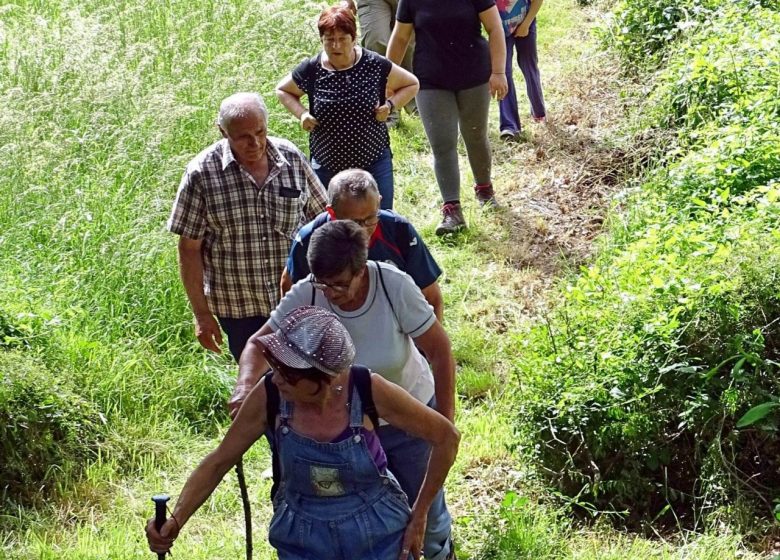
x,y
442,112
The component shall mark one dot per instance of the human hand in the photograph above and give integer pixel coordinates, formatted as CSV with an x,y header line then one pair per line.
x,y
522,30
237,399
308,122
208,332
162,541
498,86
413,538
382,112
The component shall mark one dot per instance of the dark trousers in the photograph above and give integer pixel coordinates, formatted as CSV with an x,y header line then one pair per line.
x,y
239,330
527,60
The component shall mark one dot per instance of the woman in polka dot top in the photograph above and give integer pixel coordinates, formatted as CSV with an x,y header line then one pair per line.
x,y
351,92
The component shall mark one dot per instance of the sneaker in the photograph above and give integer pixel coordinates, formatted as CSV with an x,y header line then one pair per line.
x,y
509,135
485,196
452,220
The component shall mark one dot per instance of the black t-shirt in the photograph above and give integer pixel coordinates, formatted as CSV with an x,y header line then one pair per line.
x,y
450,52
343,101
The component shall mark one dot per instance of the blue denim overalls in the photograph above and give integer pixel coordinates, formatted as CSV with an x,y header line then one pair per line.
x,y
333,503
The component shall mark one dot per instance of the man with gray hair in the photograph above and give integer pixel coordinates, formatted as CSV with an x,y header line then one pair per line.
x,y
353,195
238,207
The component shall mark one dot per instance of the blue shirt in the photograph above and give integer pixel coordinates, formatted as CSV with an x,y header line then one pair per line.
x,y
395,241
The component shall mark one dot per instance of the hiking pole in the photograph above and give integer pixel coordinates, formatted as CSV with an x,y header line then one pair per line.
x,y
247,507
159,516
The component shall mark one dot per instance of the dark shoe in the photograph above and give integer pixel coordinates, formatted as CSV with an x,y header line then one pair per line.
x,y
485,196
452,220
509,135
451,555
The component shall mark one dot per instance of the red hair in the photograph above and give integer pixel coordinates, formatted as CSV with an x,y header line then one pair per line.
x,y
337,18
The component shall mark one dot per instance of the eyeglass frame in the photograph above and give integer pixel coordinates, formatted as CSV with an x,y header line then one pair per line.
x,y
368,222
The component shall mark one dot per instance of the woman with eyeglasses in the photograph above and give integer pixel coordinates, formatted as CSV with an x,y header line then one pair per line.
x,y
336,499
351,92
389,319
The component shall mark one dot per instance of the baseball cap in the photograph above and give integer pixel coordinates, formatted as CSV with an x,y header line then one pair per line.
x,y
311,337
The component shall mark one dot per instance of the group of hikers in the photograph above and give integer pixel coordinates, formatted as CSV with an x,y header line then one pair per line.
x,y
330,300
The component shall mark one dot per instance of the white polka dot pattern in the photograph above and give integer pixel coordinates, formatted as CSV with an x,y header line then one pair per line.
x,y
343,101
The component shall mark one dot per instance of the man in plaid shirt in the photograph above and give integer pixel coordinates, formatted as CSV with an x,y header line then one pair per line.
x,y
238,207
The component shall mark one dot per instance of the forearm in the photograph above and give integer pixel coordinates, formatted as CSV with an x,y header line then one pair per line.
x,y
252,364
533,9
497,50
191,272
441,460
444,386
291,103
404,95
199,486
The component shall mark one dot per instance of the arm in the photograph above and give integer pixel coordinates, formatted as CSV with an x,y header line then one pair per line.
x,y
403,85
399,41
251,367
289,95
285,283
191,271
492,23
432,294
247,428
436,345
401,410
533,9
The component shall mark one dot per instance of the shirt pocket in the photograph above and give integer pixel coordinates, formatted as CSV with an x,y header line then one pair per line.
x,y
285,204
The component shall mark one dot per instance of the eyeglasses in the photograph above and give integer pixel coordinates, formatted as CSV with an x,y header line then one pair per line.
x,y
367,222
336,287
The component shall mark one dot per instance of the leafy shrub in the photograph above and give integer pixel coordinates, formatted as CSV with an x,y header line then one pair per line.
x,y
728,73
648,364
643,29
47,431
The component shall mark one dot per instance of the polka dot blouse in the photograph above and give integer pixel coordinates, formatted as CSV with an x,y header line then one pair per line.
x,y
343,101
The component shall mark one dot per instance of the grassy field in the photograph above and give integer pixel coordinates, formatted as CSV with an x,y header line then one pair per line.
x,y
102,107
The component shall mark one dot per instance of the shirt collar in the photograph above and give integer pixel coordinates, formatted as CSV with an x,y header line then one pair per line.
x,y
275,157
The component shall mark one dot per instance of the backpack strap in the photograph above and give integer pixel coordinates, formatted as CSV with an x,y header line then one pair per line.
x,y
271,412
387,296
361,378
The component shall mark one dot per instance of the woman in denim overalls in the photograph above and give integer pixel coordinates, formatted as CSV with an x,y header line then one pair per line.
x,y
336,499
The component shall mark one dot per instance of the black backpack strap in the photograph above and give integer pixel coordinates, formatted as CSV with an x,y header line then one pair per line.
x,y
272,402
387,296
313,290
361,377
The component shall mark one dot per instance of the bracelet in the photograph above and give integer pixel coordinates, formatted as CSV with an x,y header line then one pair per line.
x,y
390,102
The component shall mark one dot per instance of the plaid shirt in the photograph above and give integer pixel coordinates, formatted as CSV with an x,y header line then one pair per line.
x,y
246,230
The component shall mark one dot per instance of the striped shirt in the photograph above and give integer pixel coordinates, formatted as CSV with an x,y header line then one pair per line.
x,y
246,230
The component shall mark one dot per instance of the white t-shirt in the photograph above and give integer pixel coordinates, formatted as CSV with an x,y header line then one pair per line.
x,y
381,343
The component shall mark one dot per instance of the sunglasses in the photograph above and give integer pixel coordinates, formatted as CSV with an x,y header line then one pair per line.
x,y
289,377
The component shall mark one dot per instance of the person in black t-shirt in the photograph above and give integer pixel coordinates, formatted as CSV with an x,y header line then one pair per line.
x,y
348,103
459,71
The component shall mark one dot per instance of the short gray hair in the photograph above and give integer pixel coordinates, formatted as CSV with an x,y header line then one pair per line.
x,y
240,105
352,183
337,246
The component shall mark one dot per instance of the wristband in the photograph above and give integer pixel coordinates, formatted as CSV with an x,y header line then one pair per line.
x,y
390,102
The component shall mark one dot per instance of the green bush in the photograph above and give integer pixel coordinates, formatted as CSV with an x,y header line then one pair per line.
x,y
728,73
47,431
643,29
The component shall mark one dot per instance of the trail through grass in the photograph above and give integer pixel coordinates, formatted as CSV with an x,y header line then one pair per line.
x,y
103,105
